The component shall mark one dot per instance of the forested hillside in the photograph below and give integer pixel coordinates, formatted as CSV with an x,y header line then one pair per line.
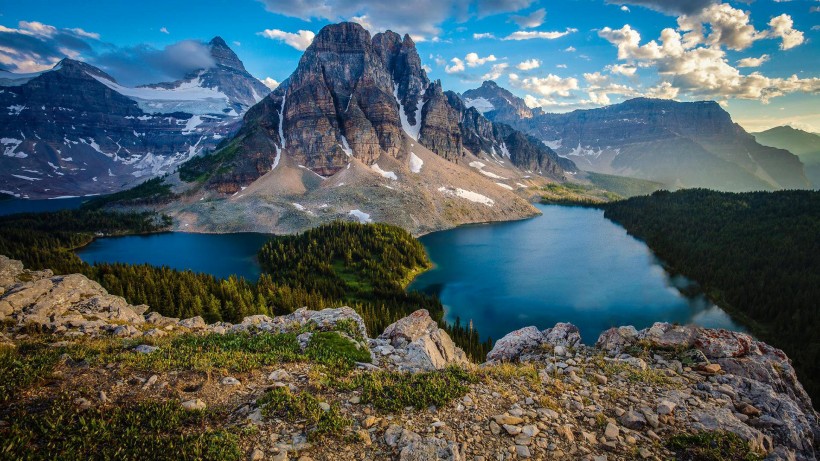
x,y
755,254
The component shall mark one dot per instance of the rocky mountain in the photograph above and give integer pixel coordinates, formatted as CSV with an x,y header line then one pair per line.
x,y
73,130
657,393
800,143
360,112
504,105
679,144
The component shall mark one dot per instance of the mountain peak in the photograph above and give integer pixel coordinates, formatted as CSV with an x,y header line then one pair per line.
x,y
223,54
489,84
74,67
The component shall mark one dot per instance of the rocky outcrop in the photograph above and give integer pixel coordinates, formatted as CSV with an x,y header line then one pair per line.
x,y
416,343
758,394
529,342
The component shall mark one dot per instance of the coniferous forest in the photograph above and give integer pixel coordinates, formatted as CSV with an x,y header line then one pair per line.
x,y
364,266
754,254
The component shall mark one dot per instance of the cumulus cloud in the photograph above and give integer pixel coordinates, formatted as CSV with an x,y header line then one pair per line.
x,y
164,30
783,27
457,67
495,72
663,90
419,17
529,64
753,62
473,60
34,46
546,86
625,8
622,69
270,83
699,70
483,35
534,19
299,40
533,34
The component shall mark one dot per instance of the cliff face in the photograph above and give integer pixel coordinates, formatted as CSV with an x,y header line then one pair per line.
x,y
542,394
352,96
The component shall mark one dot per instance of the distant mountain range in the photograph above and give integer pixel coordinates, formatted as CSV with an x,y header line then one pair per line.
x,y
73,130
801,143
679,144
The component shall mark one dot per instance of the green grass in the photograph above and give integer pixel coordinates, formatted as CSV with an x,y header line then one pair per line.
x,y
282,403
237,352
624,186
575,194
336,351
23,367
58,430
711,446
393,391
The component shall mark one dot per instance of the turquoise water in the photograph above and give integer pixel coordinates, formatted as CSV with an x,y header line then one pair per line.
x,y
221,255
569,265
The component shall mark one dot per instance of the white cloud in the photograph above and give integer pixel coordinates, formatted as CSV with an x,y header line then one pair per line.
x,y
570,49
625,8
701,71
483,35
534,19
547,86
270,83
529,64
299,40
457,67
670,6
418,17
753,62
473,60
495,72
561,66
663,90
164,30
622,69
533,34
783,27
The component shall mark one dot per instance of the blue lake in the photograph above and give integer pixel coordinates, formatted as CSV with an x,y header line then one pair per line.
x,y
221,255
569,265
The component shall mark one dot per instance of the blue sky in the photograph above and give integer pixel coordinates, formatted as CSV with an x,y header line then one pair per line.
x,y
760,59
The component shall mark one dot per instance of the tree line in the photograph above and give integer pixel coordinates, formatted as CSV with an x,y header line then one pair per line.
x,y
754,254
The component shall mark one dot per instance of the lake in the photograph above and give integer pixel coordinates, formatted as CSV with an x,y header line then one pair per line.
x,y
221,255
569,265
12,206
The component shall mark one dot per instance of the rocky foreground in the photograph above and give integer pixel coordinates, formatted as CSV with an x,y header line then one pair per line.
x,y
540,395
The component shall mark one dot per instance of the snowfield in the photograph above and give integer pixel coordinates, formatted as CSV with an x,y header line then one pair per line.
x,y
386,174
363,217
466,194
481,104
415,163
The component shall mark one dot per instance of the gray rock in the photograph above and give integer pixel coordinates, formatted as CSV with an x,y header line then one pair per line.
x,y
421,345
145,349
194,323
632,420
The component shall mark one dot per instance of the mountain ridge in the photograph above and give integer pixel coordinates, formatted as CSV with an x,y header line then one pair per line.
x,y
681,144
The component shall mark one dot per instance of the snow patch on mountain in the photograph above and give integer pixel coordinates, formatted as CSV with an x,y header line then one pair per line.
x,y
415,163
386,174
481,104
466,194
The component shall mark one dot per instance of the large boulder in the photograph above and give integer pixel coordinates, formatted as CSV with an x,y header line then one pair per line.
x,y
64,303
323,320
416,343
512,345
528,343
9,270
